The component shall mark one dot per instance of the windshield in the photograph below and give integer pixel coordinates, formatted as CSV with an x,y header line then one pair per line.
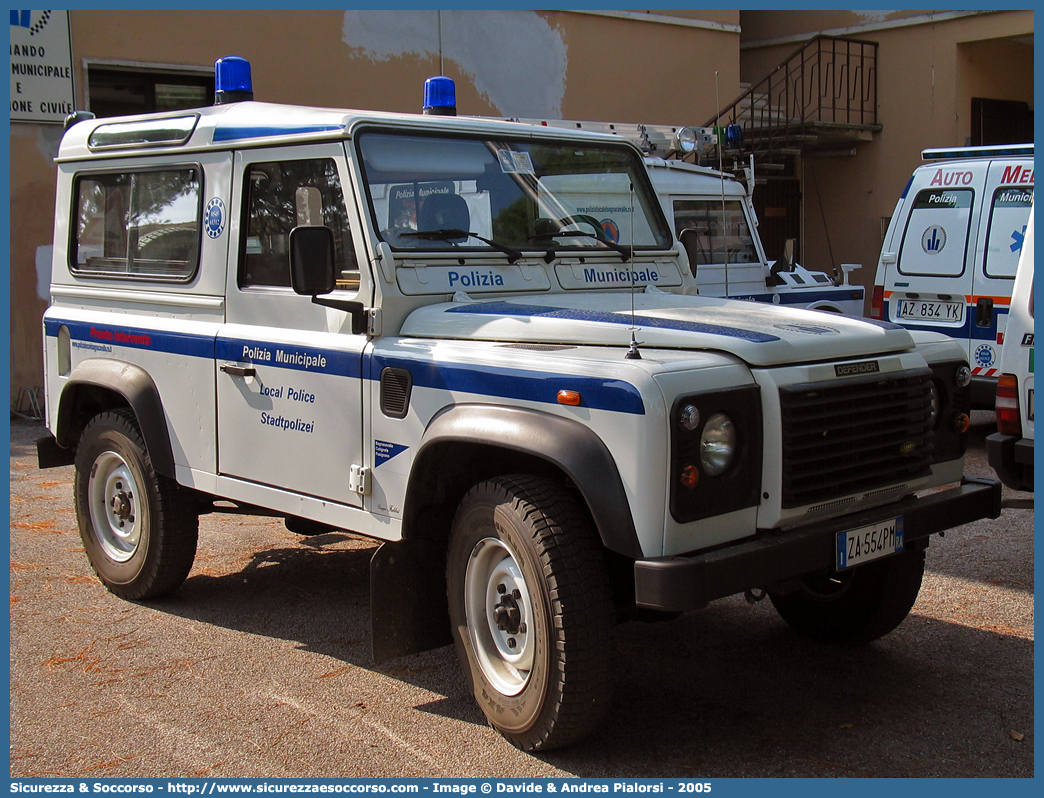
x,y
722,233
511,195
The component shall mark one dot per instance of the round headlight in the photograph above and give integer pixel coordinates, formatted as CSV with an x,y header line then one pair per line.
x,y
717,445
962,377
689,418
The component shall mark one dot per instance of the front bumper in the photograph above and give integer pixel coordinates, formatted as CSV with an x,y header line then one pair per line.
x,y
690,582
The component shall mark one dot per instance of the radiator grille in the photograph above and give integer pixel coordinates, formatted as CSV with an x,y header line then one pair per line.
x,y
854,435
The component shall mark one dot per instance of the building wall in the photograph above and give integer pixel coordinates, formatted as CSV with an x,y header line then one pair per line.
x,y
928,71
651,67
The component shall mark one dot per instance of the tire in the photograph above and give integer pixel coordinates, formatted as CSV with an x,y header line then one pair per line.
x,y
531,610
856,606
139,528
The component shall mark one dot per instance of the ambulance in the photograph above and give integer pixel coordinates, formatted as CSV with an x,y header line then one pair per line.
x,y
1010,449
402,326
951,250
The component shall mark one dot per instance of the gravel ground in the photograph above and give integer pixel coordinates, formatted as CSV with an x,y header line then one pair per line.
x,y
259,666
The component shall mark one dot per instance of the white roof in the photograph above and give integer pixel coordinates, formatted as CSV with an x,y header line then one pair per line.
x,y
255,124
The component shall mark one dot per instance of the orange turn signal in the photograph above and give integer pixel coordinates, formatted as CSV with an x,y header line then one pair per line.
x,y
690,477
571,398
961,423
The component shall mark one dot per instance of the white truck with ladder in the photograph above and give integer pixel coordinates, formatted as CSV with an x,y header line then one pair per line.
x,y
401,326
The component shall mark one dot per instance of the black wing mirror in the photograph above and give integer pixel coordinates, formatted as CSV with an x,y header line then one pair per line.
x,y
312,270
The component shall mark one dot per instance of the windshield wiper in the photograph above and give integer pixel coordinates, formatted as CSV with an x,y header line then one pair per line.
x,y
449,233
625,252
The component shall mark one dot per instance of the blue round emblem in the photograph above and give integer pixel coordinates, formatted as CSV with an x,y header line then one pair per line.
x,y
612,230
214,218
933,240
984,355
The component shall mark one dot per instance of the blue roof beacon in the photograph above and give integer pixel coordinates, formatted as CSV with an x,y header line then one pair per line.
x,y
440,96
232,83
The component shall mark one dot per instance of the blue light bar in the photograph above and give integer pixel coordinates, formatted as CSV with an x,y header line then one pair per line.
x,y
232,80
1001,151
440,96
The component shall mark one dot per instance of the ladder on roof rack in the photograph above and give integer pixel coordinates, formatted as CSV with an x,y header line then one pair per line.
x,y
667,141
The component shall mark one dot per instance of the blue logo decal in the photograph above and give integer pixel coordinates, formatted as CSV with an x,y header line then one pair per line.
x,y
612,230
24,19
984,356
1017,238
933,240
384,451
214,218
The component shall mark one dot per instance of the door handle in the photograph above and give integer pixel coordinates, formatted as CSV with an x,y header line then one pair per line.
x,y
984,312
238,371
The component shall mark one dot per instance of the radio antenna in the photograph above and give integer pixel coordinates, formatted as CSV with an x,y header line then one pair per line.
x,y
632,350
721,180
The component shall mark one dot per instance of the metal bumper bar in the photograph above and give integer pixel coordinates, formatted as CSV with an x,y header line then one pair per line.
x,y
690,582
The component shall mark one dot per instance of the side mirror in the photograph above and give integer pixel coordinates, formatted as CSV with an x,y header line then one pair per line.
x,y
312,270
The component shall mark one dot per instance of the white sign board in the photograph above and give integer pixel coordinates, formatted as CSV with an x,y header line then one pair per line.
x,y
41,66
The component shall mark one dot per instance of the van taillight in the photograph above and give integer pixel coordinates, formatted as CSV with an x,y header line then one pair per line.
x,y
877,303
1009,421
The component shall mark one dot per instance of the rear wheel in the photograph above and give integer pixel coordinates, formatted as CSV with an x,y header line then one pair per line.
x,y
531,610
139,528
854,606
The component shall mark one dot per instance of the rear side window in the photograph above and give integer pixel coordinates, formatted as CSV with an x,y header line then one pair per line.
x,y
935,243
142,225
1009,214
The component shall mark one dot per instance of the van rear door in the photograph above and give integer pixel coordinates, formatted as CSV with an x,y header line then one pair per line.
x,y
1006,204
931,284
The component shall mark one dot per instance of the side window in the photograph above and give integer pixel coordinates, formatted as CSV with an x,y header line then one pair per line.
x,y
279,196
936,238
722,233
143,224
1009,214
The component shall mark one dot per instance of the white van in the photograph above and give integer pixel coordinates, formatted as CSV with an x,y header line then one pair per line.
x,y
1010,449
952,247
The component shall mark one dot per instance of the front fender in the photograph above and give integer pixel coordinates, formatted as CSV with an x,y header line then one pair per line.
x,y
567,445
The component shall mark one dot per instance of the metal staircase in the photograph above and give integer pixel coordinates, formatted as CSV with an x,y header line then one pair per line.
x,y
823,99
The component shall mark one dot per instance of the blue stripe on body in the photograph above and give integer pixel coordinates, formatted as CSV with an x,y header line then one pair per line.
x,y
532,386
798,297
291,356
227,133
504,383
135,338
604,317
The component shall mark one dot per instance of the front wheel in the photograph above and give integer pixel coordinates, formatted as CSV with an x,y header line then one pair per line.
x,y
531,610
139,528
854,606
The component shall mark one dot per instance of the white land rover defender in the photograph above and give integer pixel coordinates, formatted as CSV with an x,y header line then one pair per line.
x,y
398,325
